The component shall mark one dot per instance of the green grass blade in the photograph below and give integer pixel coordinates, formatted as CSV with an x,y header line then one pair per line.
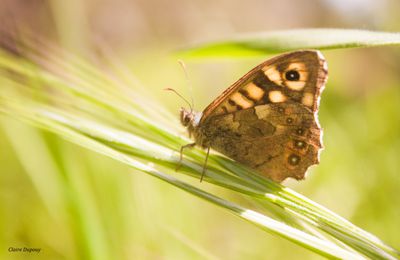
x,y
262,43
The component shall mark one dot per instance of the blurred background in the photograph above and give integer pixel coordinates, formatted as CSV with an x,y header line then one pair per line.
x,y
76,204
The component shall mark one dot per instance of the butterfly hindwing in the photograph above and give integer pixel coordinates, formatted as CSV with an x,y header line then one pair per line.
x,y
277,140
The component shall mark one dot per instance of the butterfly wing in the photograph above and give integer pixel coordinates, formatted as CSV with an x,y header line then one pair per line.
x,y
267,120
298,76
277,140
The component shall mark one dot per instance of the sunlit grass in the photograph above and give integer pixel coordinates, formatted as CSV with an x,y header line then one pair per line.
x,y
64,94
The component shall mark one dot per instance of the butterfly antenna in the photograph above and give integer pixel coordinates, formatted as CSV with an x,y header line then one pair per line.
x,y
184,99
188,82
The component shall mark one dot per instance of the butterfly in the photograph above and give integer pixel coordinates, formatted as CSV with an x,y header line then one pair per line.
x,y
267,120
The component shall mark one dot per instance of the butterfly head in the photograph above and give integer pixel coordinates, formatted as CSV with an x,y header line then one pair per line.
x,y
189,118
186,117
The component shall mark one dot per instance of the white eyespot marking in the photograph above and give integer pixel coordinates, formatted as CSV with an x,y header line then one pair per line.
x,y
303,76
241,101
308,99
255,93
273,74
293,159
276,96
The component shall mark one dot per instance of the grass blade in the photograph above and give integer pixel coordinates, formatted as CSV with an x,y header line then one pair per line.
x,y
262,43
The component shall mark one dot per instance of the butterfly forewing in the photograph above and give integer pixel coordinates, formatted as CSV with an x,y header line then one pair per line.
x,y
296,76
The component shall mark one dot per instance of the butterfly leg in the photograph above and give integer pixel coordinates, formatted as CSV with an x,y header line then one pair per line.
x,y
205,165
181,154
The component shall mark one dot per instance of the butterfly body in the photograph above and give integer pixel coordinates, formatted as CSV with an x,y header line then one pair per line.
x,y
267,120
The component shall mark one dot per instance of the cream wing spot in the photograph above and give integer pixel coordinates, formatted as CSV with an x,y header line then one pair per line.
x,y
254,92
273,74
308,99
276,96
295,85
241,101
262,111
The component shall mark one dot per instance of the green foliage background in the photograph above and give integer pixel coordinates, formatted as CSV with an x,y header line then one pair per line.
x,y
76,204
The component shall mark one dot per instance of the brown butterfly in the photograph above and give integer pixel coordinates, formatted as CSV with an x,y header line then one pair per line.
x,y
267,120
